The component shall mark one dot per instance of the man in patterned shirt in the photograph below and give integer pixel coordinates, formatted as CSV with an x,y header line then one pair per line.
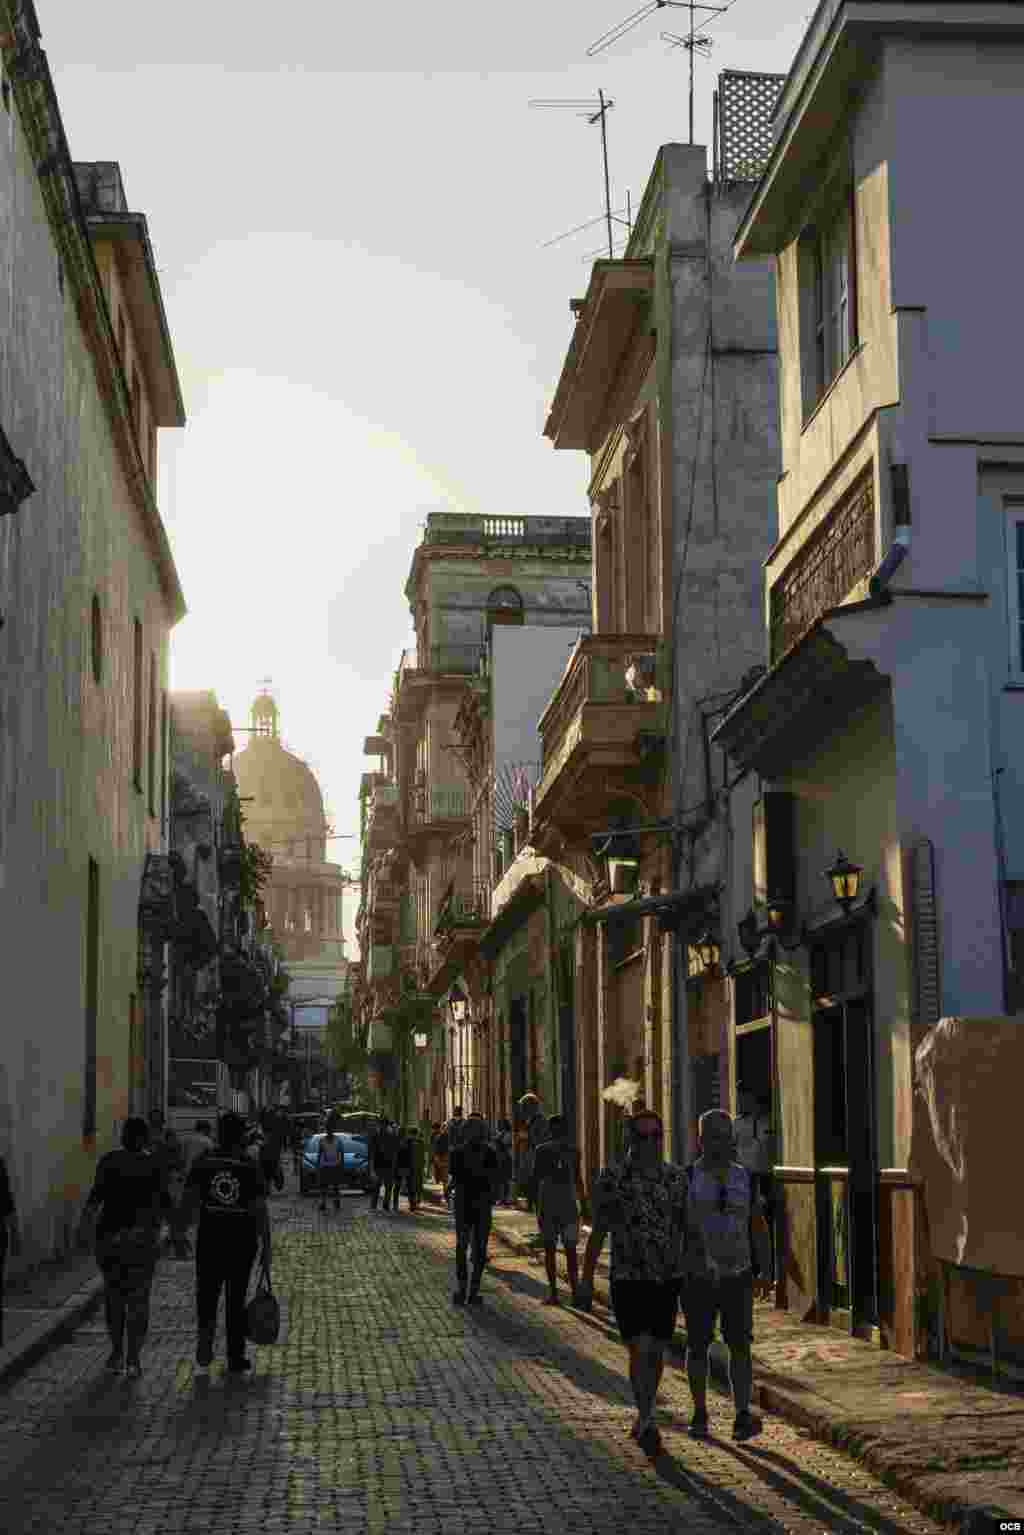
x,y
642,1202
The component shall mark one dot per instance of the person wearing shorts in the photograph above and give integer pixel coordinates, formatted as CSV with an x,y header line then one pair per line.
x,y
559,1181
330,1163
642,1202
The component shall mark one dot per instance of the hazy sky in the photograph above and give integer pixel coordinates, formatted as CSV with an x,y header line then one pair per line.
x,y
347,204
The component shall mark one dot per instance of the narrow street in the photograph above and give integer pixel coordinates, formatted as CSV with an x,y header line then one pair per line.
x,y
386,1409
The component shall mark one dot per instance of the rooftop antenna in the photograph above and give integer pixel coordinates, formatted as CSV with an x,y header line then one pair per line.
x,y
693,43
595,112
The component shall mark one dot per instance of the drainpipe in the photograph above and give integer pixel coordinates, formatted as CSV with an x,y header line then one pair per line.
x,y
900,532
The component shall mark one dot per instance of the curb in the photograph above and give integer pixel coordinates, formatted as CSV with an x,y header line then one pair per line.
x,y
23,1351
966,1518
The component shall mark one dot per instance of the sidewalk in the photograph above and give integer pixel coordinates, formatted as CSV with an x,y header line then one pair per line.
x,y
949,1443
39,1308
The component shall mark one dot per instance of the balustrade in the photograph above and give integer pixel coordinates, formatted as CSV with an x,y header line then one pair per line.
x,y
824,572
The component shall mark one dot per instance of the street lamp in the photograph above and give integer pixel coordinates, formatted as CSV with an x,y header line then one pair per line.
x,y
708,951
844,878
420,1041
458,1004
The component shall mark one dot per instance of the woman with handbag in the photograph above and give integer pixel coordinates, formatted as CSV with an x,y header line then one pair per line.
x,y
131,1198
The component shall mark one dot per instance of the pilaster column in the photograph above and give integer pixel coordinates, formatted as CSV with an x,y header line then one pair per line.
x,y
588,1085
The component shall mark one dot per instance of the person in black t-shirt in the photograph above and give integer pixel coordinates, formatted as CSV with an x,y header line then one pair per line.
x,y
131,1194
230,1192
474,1177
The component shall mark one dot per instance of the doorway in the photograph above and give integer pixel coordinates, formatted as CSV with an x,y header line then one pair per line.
x,y
517,1048
844,1134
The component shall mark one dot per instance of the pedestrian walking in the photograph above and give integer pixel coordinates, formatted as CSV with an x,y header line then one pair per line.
x,y
506,1162
121,1222
200,1143
454,1128
560,1193
330,1164
727,1260
439,1148
642,1202
385,1153
417,1168
536,1125
270,1151
474,1178
755,1150
9,1234
403,1164
230,1192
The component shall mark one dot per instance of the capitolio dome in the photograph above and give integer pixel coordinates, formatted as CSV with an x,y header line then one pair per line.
x,y
281,799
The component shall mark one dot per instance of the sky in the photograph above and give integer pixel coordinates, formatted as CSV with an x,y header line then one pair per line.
x,y
351,207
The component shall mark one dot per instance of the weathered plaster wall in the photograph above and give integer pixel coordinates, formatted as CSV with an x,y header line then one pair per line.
x,y
66,789
954,107
846,798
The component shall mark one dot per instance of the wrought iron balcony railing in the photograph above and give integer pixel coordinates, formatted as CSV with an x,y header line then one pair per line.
x,y
838,555
462,909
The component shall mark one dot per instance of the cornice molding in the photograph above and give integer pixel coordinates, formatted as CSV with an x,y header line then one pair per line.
x,y
28,70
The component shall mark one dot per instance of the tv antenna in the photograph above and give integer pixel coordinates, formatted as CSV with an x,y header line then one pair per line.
x,y
617,218
693,43
595,112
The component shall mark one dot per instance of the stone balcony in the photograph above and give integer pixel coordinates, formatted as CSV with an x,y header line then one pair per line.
x,y
382,822
434,812
602,733
380,963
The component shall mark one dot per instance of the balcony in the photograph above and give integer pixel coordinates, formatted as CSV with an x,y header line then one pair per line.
x,y
379,1035
435,811
602,732
461,913
419,674
825,571
380,964
382,820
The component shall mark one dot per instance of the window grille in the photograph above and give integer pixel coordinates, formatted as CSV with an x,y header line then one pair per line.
x,y
746,100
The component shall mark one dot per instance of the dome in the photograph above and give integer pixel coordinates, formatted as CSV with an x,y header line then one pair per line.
x,y
281,799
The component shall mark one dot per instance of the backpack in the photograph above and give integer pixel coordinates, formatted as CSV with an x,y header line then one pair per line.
x,y
755,1267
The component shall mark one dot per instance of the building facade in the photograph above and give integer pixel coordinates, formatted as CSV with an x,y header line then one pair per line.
x,y
669,385
89,594
888,722
497,604
283,813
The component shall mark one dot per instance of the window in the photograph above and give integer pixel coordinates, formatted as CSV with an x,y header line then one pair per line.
x,y
92,956
96,639
1015,585
137,707
151,736
828,296
505,606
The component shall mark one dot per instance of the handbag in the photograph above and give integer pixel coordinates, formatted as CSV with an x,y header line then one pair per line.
x,y
263,1313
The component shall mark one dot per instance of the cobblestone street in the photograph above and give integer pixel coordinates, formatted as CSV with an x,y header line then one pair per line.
x,y
386,1409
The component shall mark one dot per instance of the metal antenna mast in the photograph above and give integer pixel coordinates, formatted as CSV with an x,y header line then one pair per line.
x,y
587,109
693,44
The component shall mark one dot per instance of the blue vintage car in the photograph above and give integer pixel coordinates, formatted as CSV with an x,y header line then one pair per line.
x,y
355,1172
